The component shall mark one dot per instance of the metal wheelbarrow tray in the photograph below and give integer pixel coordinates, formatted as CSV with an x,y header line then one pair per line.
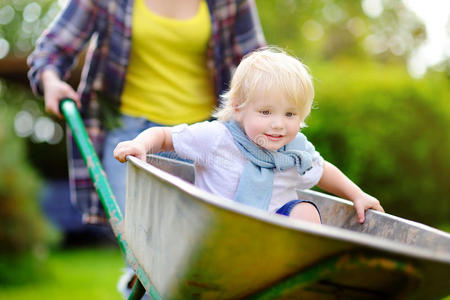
x,y
195,245
185,243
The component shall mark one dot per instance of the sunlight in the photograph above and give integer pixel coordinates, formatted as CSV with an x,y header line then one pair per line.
x,y
436,16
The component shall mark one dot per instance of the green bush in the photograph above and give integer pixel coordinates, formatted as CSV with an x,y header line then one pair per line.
x,y
24,234
389,133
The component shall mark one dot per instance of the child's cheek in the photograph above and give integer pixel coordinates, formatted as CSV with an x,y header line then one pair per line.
x,y
255,135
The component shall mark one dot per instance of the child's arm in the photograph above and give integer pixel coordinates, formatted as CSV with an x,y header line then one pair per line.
x,y
335,182
152,140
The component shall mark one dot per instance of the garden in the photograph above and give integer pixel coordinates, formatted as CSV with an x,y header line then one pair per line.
x,y
376,116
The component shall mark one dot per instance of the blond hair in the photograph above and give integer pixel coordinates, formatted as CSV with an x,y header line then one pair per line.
x,y
269,69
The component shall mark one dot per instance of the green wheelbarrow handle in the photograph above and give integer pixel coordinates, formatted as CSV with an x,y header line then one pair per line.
x,y
91,160
107,198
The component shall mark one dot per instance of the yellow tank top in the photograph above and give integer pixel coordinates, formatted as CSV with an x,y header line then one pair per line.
x,y
167,79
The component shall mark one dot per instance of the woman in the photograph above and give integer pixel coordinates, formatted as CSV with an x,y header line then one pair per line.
x,y
149,62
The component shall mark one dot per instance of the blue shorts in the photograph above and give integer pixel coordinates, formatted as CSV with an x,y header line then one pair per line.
x,y
286,209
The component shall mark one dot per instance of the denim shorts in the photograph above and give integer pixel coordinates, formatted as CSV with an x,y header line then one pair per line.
x,y
286,209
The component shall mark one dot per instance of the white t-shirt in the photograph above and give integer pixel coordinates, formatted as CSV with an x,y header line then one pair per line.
x,y
219,163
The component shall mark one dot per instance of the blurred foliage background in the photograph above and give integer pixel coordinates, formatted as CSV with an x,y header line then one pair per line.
x,y
24,233
381,114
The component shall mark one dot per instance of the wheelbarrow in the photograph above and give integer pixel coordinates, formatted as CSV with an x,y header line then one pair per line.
x,y
186,243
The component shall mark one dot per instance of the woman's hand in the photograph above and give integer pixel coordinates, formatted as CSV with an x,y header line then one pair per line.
x,y
123,149
364,201
55,90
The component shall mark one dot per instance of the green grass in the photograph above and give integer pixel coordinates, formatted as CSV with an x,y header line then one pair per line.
x,y
445,227
74,274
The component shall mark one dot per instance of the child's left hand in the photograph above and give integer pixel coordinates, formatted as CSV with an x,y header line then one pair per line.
x,y
363,202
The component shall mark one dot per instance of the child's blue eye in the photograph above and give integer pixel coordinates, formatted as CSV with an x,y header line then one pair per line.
x,y
265,112
290,114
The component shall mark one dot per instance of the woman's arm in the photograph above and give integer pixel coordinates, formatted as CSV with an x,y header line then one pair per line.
x,y
335,182
247,28
60,44
152,140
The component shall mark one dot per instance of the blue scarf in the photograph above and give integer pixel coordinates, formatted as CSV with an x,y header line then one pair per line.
x,y
256,183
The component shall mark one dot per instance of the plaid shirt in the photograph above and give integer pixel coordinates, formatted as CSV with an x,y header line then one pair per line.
x,y
106,26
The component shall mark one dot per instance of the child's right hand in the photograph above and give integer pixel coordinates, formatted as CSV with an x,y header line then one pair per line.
x,y
123,149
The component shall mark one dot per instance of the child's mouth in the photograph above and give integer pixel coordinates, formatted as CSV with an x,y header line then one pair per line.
x,y
274,137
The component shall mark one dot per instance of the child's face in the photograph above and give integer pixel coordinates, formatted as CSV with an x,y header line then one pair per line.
x,y
269,120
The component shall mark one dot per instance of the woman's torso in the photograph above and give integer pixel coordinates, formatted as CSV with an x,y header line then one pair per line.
x,y
167,79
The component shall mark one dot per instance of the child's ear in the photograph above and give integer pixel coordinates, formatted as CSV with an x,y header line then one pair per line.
x,y
237,112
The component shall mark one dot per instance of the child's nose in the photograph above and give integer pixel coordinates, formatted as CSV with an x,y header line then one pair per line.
x,y
277,122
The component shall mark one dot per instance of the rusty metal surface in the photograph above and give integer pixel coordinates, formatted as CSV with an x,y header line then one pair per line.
x,y
339,213
193,244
